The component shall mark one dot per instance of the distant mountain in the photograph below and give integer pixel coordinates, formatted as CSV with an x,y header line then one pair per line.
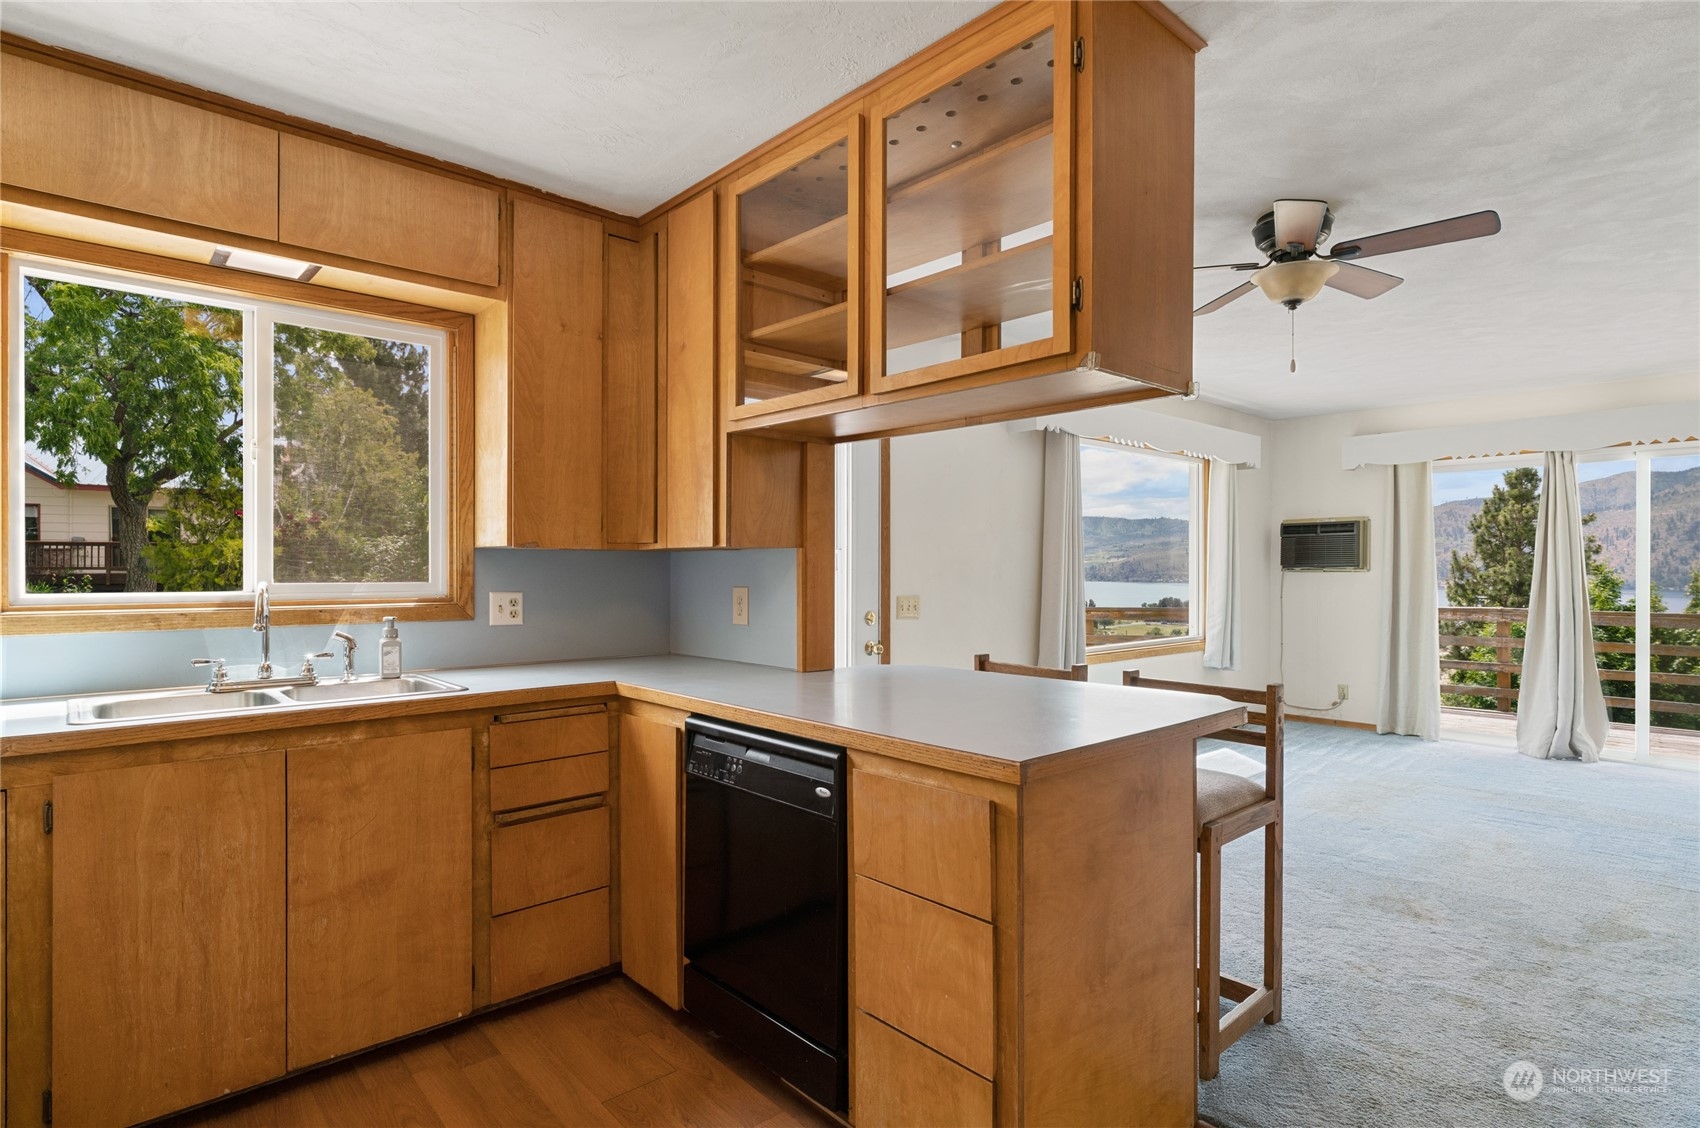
x,y
1675,517
1136,549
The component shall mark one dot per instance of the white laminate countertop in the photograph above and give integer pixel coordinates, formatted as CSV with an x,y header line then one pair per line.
x,y
1000,717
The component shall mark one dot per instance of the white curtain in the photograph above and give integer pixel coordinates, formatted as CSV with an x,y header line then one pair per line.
x,y
1410,663
1561,710
1062,579
1222,570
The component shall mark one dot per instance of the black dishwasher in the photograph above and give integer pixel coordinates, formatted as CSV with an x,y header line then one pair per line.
x,y
765,903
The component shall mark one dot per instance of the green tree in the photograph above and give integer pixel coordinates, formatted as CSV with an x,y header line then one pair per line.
x,y
199,544
148,387
1500,565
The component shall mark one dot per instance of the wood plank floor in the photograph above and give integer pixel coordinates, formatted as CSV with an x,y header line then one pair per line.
x,y
605,1053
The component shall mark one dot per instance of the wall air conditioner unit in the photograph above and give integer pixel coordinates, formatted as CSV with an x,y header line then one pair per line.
x,y
1339,545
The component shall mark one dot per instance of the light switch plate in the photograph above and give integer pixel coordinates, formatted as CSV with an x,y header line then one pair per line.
x,y
908,607
740,607
507,608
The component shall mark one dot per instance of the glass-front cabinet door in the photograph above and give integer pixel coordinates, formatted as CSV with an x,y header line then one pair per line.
x,y
969,226
795,251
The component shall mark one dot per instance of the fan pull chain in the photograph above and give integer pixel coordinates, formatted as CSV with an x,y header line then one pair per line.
x,y
1292,346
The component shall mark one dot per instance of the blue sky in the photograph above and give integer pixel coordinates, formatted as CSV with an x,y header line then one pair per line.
x,y
1124,482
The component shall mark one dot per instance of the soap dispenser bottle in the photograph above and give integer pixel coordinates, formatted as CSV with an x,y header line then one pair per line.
x,y
389,650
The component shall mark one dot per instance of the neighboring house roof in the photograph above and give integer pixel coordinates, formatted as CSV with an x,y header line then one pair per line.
x,y
44,468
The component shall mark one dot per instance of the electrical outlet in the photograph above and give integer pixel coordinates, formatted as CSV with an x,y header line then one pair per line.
x,y
507,608
740,607
1342,691
908,607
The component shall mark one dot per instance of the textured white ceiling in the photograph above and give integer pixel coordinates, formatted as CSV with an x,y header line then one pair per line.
x,y
621,105
1578,122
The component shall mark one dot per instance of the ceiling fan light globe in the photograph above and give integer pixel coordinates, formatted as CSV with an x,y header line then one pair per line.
x,y
1293,283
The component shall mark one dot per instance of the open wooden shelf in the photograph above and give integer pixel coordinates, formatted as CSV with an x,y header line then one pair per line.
x,y
986,291
1002,189
820,252
822,333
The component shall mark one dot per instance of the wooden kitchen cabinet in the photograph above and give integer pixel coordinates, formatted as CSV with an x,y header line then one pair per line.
x,y
1028,217
168,936
692,437
550,848
791,274
651,873
362,206
631,470
380,890
540,428
82,138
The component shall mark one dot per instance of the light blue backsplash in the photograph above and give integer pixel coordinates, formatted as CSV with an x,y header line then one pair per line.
x,y
577,605
702,605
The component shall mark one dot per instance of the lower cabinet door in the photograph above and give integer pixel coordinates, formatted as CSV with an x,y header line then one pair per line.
x,y
168,936
548,858
898,1081
380,890
546,944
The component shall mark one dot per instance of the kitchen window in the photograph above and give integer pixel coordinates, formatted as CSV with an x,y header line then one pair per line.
x,y
235,438
1142,517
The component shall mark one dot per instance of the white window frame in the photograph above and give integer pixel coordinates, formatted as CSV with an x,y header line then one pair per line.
x,y
1197,490
258,430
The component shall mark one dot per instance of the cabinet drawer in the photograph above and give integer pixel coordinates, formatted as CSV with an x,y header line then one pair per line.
x,y
930,841
547,859
376,210
548,781
927,970
898,1081
550,943
72,135
548,738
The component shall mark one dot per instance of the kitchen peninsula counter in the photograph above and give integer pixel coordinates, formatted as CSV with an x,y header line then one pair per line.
x,y
990,725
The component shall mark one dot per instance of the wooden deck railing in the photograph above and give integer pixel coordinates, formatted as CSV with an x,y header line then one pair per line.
x,y
103,560
1507,647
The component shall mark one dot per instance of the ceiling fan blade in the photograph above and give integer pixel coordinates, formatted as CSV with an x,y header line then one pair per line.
x,y
1232,266
1361,281
1239,291
1299,221
1472,226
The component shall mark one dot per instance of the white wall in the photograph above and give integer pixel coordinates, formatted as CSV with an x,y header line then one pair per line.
x,y
1333,620
966,510
965,520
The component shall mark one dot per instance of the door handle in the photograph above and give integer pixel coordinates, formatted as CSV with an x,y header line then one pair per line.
x,y
873,647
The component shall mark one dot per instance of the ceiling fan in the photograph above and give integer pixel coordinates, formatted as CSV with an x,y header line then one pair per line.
x,y
1296,272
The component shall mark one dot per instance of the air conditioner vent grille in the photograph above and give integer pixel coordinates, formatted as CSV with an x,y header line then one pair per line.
x,y
1325,546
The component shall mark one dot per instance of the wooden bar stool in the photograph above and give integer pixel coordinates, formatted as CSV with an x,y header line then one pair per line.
x,y
984,663
1229,807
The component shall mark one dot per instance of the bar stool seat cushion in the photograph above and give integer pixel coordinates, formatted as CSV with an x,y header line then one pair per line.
x,y
1222,793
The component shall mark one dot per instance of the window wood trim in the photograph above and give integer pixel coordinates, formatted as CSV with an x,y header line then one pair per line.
x,y
1152,649
237,610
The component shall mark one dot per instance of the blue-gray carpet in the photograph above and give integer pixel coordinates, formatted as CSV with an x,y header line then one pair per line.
x,y
1452,909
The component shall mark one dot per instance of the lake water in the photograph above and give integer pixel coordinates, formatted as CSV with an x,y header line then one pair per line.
x,y
1106,594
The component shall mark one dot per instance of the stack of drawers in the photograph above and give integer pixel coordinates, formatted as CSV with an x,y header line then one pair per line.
x,y
549,849
924,979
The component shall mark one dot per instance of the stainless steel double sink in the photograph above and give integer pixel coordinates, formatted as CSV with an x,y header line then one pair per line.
x,y
200,703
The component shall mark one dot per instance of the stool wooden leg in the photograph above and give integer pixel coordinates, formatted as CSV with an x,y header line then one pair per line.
x,y
1209,954
1272,916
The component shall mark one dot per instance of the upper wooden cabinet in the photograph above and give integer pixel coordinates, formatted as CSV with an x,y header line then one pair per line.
x,y
540,424
1028,218
336,199
690,422
82,138
971,213
792,272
